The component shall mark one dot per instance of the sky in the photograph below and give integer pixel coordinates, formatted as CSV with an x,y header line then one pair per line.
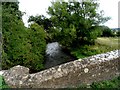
x,y
39,7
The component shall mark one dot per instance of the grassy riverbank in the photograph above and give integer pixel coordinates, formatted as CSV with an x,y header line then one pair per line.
x,y
102,45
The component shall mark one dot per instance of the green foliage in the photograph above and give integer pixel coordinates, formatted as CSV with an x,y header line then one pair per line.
x,y
81,15
115,83
106,32
12,8
102,45
21,46
105,84
3,85
41,20
38,45
46,23
83,51
66,37
107,44
15,44
118,33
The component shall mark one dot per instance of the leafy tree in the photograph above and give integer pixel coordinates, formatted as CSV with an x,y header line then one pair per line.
x,y
21,46
45,22
15,46
81,15
106,31
38,45
118,33
41,20
12,8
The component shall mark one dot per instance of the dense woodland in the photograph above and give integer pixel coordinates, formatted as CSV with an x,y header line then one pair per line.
x,y
75,25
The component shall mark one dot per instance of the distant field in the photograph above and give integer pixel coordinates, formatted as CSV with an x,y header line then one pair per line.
x,y
111,42
102,45
107,44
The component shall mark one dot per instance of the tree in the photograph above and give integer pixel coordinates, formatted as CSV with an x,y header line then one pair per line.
x,y
21,46
81,15
12,8
15,45
118,33
41,20
106,32
38,45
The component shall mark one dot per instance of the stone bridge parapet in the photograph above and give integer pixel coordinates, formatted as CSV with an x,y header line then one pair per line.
x,y
82,71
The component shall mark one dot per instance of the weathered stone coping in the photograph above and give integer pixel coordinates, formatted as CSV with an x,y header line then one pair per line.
x,y
82,71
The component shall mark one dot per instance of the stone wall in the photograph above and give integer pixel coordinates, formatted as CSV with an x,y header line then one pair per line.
x,y
83,71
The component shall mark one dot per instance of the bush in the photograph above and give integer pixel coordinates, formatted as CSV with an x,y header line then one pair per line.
x,y
3,85
24,47
118,33
21,46
37,41
64,37
107,83
107,32
15,43
83,51
67,36
114,83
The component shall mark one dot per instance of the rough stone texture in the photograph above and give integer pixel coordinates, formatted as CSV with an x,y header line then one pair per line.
x,y
16,76
83,71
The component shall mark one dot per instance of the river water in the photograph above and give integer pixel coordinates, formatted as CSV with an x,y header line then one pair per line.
x,y
55,55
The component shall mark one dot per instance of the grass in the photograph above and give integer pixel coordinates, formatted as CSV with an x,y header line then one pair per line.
x,y
102,45
106,84
108,43
3,85
114,83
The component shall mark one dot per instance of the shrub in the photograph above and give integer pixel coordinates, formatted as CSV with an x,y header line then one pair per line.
x,y
15,43
118,33
67,36
3,85
37,41
107,32
107,83
21,46
83,51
